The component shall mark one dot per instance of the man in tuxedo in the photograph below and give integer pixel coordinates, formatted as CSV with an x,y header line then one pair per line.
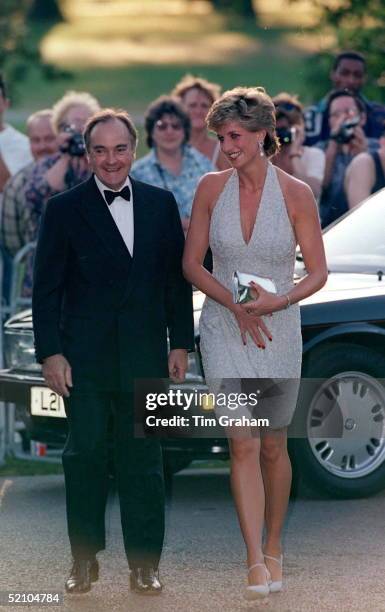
x,y
107,286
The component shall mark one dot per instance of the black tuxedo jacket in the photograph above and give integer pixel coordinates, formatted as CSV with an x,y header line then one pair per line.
x,y
106,311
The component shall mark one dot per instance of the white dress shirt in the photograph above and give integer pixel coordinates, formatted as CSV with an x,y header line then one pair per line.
x,y
14,149
122,212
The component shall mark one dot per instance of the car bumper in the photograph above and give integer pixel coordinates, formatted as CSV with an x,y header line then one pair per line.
x,y
15,388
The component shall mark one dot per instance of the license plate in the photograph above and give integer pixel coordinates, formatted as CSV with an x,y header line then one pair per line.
x,y
45,402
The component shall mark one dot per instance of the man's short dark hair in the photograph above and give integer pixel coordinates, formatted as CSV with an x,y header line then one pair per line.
x,y
110,114
339,93
165,105
3,87
349,55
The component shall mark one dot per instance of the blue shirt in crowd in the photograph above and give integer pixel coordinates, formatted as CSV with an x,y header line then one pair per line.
x,y
183,186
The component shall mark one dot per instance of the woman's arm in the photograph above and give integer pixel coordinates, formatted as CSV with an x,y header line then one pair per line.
x,y
309,237
359,179
197,243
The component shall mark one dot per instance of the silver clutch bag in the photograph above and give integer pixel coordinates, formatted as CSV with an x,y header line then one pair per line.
x,y
241,286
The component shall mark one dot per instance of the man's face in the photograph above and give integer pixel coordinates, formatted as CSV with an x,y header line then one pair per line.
x,y
342,109
42,138
111,153
349,74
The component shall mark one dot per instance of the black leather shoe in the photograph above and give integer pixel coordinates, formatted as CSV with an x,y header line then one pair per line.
x,y
83,572
145,580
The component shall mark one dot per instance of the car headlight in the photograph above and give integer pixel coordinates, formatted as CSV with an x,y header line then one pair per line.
x,y
19,350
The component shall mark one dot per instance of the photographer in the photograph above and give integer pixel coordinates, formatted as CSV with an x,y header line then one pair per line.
x,y
346,115
62,170
305,163
67,168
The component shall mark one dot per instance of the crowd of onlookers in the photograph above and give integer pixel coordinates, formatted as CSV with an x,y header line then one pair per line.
x,y
336,146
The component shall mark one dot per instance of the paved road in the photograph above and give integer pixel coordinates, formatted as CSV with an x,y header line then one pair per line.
x,y
335,551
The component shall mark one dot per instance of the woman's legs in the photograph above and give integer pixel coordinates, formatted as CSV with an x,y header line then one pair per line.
x,y
276,471
249,496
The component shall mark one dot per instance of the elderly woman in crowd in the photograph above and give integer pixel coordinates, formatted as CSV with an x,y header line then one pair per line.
x,y
304,163
172,163
197,96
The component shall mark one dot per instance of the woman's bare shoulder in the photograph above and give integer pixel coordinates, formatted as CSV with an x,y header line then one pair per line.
x,y
215,180
292,186
211,185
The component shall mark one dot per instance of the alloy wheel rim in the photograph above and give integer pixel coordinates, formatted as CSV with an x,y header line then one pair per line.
x,y
346,425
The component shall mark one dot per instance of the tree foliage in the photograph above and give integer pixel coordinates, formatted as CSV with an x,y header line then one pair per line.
x,y
19,43
45,10
355,25
16,50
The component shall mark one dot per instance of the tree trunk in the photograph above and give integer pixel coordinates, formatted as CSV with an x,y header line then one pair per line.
x,y
244,8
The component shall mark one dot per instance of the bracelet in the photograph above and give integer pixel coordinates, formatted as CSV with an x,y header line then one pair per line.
x,y
288,301
295,155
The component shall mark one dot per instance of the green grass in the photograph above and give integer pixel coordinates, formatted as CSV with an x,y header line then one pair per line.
x,y
23,467
129,59
128,53
133,87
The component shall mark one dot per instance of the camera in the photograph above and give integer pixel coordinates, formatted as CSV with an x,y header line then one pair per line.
x,y
75,146
285,135
346,132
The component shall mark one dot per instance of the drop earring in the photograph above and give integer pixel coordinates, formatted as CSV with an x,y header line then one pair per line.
x,y
261,151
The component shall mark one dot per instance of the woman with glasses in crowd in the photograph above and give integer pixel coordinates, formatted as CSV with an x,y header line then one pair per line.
x,y
197,96
302,162
172,163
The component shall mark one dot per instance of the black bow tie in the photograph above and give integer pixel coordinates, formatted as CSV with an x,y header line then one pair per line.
x,y
111,195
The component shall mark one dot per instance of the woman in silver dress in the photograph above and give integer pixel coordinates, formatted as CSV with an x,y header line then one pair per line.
x,y
253,216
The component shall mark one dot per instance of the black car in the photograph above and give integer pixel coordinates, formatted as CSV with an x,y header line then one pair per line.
x,y
337,441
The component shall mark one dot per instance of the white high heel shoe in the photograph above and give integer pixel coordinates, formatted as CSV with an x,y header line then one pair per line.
x,y
276,585
256,591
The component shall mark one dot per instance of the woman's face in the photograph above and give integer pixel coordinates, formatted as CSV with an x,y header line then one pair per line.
x,y
76,117
168,133
239,145
197,104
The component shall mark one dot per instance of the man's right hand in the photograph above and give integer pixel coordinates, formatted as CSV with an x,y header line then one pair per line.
x,y
57,374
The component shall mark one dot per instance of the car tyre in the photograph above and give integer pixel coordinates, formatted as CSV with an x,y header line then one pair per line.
x,y
327,362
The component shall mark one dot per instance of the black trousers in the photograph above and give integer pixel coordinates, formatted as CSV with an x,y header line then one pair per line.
x,y
139,473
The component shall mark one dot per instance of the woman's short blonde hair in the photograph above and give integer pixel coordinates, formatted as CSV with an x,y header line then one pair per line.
x,y
252,108
70,99
188,82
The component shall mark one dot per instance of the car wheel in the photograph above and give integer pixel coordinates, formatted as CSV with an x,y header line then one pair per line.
x,y
343,450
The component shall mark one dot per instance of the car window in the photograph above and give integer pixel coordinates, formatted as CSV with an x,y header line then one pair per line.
x,y
357,241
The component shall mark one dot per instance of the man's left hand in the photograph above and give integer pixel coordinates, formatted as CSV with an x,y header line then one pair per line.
x,y
177,365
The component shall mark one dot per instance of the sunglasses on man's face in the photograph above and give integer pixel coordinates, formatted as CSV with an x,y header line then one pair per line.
x,y
163,125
